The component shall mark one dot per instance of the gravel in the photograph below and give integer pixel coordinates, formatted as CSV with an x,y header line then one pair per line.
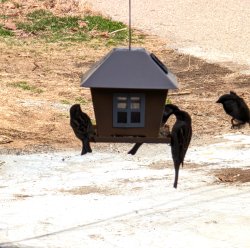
x,y
218,31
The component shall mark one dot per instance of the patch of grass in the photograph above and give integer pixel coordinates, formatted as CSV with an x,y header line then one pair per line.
x,y
64,37
4,17
46,25
99,23
53,28
4,32
65,102
37,90
25,86
39,14
168,101
81,100
41,20
63,115
22,85
3,1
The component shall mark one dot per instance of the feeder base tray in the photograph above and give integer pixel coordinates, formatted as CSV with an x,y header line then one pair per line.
x,y
131,139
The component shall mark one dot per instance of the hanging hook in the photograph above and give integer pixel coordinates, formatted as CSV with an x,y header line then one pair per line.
x,y
129,35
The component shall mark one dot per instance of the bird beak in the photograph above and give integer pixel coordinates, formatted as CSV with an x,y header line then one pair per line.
x,y
166,116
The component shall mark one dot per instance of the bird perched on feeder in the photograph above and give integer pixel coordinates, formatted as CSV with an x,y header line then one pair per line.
x,y
236,107
181,135
82,127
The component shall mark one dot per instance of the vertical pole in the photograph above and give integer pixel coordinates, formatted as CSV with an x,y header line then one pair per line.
x,y
129,28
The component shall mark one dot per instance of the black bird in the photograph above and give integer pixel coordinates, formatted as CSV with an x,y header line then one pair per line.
x,y
181,135
236,107
82,127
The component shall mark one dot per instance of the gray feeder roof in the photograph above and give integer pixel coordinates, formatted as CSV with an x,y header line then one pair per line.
x,y
122,68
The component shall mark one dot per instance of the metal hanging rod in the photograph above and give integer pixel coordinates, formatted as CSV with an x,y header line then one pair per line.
x,y
129,26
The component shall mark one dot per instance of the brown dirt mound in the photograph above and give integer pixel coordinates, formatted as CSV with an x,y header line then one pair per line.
x,y
233,175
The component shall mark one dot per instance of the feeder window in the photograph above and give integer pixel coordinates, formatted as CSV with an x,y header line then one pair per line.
x,y
128,110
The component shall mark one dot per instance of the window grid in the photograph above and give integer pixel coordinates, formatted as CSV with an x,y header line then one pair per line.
x,y
134,107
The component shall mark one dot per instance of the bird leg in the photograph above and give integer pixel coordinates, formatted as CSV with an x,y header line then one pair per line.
x,y
234,125
84,151
232,122
176,167
135,148
86,145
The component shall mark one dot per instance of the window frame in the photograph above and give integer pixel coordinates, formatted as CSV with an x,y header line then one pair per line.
x,y
128,110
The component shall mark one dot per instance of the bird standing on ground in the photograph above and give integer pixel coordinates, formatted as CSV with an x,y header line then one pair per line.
x,y
236,107
82,127
181,135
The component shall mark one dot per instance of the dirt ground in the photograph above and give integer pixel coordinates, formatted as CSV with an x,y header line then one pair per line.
x,y
109,199
37,120
216,30
233,175
52,196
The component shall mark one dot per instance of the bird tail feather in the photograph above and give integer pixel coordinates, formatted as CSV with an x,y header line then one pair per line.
x,y
176,177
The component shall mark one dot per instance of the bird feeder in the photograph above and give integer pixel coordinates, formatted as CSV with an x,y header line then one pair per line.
x,y
129,87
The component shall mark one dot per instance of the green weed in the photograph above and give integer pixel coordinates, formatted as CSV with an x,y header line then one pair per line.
x,y
39,14
168,101
65,102
81,100
25,86
53,28
4,17
63,115
44,24
99,23
4,32
49,23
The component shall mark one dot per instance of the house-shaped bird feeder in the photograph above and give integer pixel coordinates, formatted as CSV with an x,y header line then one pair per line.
x,y
129,87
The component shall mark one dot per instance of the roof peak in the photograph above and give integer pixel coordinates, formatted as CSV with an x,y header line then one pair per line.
x,y
133,68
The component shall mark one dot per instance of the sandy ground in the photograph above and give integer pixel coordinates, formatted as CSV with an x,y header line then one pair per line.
x,y
216,30
110,199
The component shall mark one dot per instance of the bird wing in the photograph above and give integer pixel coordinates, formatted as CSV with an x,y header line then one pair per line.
x,y
231,107
187,138
81,124
181,136
225,98
244,112
89,126
178,142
